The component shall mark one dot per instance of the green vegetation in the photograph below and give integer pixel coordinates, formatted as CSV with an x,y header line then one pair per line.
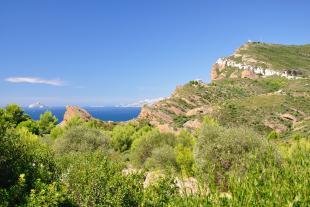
x,y
96,164
279,57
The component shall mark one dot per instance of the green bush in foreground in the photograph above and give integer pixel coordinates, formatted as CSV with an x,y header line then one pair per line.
x,y
23,160
219,150
81,139
93,180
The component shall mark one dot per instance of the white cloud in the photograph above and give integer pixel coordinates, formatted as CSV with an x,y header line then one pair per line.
x,y
34,80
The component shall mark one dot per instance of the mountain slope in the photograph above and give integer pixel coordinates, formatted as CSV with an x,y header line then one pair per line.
x,y
260,59
263,102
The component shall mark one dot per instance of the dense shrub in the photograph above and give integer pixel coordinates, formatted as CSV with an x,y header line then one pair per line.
x,y
31,125
275,185
46,122
161,193
122,137
93,180
81,139
23,159
56,132
52,194
154,150
219,150
184,153
11,116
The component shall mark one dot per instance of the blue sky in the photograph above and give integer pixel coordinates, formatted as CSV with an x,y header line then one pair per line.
x,y
109,52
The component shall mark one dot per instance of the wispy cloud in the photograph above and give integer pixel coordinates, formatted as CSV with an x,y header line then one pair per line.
x,y
34,80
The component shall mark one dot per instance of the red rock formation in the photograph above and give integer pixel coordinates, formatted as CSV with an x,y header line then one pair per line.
x,y
75,111
248,74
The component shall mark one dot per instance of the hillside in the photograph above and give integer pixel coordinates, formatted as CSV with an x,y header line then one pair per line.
x,y
256,59
237,97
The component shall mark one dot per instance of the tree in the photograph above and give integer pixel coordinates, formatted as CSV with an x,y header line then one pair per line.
x,y
31,125
11,116
14,114
46,123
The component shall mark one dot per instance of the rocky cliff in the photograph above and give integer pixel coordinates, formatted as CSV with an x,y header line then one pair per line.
x,y
254,87
75,112
255,59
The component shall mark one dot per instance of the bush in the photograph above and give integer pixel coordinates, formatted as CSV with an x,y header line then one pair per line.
x,y
160,193
273,135
274,185
184,153
81,139
11,116
53,194
14,114
122,137
31,125
219,150
56,132
46,123
154,150
24,159
93,180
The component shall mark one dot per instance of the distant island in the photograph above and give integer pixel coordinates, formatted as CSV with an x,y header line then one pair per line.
x,y
37,105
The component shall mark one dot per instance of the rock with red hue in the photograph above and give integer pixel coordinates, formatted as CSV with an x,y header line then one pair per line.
x,y
75,112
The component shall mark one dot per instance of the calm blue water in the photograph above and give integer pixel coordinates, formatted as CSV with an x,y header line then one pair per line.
x,y
103,113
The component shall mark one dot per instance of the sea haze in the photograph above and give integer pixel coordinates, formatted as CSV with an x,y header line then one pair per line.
x,y
116,114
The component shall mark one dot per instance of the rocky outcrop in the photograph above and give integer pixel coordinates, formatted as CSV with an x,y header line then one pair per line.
x,y
192,124
75,112
248,70
248,74
189,104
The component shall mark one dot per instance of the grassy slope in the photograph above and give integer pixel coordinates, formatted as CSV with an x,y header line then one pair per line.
x,y
279,57
254,103
245,102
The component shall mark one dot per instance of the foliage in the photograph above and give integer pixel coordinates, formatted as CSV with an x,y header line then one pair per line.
x,y
154,150
160,193
93,180
180,120
273,135
274,83
219,150
81,139
284,185
31,125
280,57
23,154
184,153
53,194
234,165
46,123
122,137
56,132
11,116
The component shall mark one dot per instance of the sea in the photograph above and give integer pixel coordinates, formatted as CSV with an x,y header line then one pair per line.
x,y
116,114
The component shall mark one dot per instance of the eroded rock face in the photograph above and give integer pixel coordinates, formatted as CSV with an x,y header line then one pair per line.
x,y
248,70
193,124
248,74
73,112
